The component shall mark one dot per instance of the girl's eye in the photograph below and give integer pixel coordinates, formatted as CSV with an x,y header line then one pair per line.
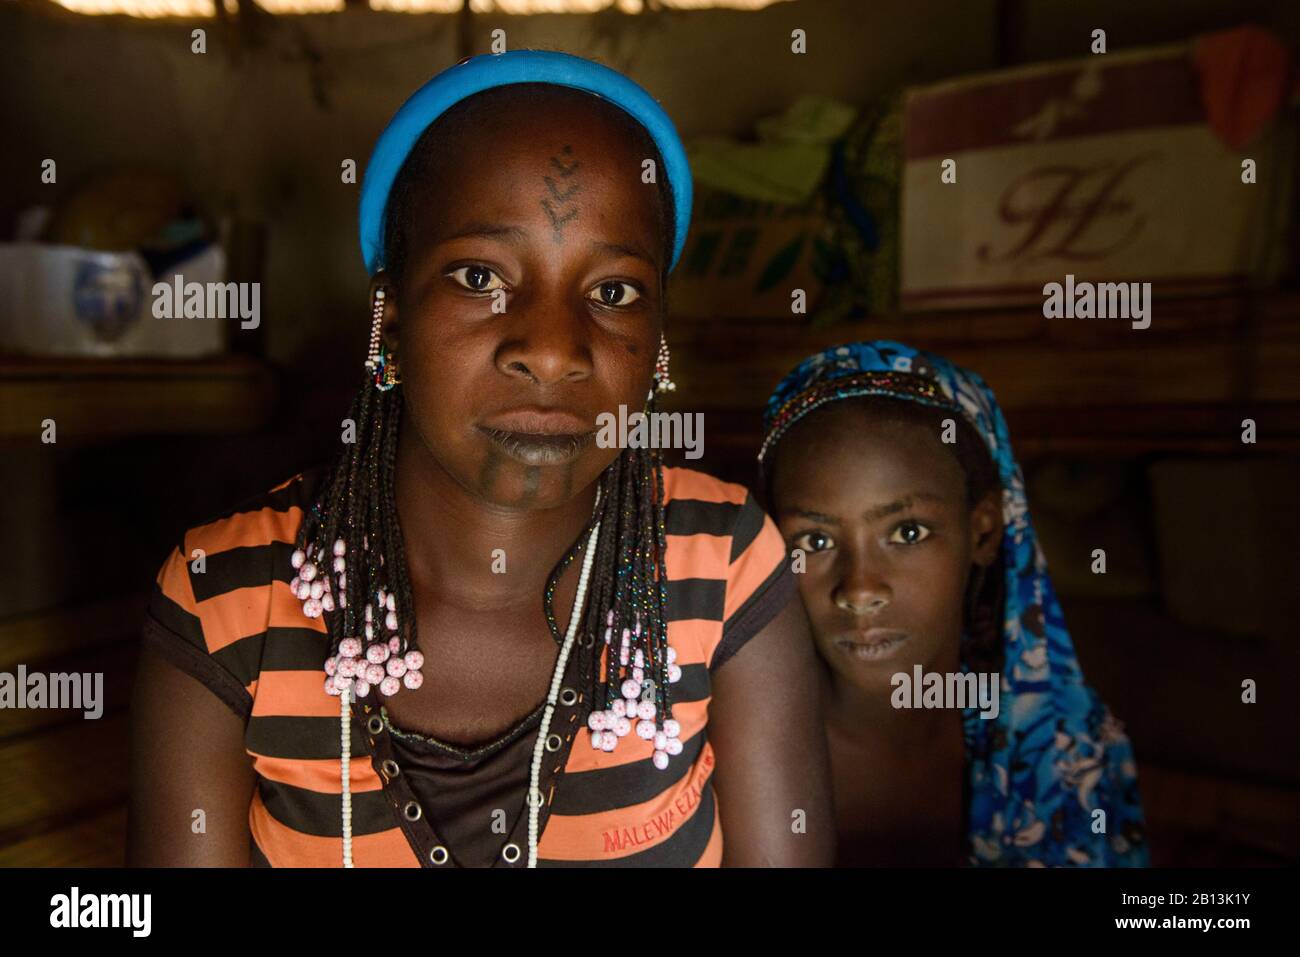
x,y
909,533
814,542
614,292
477,278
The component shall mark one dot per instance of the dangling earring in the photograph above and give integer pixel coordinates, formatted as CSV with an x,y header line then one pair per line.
x,y
662,383
381,361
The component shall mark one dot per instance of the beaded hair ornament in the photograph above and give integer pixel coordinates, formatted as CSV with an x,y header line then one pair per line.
x,y
375,654
380,657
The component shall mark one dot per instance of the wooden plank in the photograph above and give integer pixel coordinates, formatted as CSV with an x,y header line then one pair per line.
x,y
90,399
1200,326
1079,386
732,437
97,840
91,369
31,639
1199,820
741,366
1136,430
47,780
116,662
1276,358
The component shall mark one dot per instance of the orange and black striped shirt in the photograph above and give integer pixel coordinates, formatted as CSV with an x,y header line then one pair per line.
x,y
232,623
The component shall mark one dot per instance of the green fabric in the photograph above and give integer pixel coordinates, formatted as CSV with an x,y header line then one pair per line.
x,y
873,154
788,162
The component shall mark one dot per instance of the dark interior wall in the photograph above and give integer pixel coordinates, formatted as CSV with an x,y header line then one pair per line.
x,y
260,125
257,128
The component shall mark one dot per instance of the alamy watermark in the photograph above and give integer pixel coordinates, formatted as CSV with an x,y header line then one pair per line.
x,y
1098,300
657,430
208,300
970,689
82,691
76,909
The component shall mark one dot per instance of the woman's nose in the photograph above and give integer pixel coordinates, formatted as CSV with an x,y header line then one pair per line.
x,y
862,590
548,345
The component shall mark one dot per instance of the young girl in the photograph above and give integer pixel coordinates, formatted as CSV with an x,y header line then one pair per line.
x,y
478,638
891,470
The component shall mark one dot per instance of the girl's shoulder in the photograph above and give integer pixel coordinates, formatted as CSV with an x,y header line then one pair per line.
x,y
243,546
726,561
695,503
699,504
686,483
225,585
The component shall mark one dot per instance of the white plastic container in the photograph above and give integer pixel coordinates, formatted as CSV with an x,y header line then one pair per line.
x,y
69,301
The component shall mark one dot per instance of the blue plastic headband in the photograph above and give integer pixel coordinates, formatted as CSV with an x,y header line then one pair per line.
x,y
500,69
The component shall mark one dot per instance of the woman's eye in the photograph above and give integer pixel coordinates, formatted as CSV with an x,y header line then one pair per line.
x,y
909,533
614,292
814,542
477,278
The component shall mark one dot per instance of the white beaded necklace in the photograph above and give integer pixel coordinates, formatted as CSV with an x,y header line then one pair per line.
x,y
534,795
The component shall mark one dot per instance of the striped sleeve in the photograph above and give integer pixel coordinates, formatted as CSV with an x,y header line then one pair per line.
x,y
760,582
174,627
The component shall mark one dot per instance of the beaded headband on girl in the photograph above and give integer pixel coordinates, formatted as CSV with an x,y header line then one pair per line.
x,y
910,385
475,74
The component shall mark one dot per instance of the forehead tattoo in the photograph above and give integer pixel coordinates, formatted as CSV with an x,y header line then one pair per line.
x,y
558,202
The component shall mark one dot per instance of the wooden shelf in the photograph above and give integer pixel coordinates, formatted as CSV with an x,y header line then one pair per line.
x,y
91,399
1077,385
63,778
101,637
63,632
57,777
1197,820
90,839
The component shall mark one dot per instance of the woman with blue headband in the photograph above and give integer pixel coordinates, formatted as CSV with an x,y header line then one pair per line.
x,y
483,636
959,724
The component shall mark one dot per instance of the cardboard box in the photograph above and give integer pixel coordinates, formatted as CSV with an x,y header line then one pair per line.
x,y
1104,168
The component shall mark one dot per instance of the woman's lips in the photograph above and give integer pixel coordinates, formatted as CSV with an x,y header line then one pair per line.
x,y
874,644
539,436
535,420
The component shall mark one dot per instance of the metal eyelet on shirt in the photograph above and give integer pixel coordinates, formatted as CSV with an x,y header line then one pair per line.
x,y
534,797
390,768
510,853
553,742
439,855
411,811
568,697
376,724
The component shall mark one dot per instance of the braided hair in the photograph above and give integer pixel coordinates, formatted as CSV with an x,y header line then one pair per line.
x,y
356,505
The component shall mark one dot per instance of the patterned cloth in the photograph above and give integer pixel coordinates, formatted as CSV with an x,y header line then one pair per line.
x,y
1054,757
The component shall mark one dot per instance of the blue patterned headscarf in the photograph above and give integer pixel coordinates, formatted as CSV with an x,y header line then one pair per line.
x,y
1054,757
